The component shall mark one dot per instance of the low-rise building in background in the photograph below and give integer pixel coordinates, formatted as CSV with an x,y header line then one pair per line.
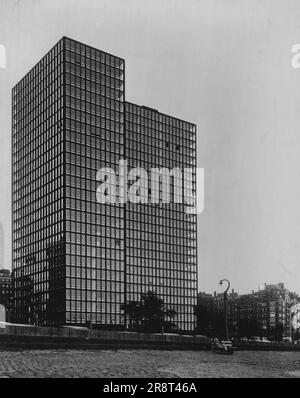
x,y
264,313
5,291
1,246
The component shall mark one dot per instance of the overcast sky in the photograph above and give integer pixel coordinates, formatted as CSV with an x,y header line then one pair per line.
x,y
222,64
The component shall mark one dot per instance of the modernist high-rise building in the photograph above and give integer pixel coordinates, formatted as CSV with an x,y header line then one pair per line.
x,y
76,260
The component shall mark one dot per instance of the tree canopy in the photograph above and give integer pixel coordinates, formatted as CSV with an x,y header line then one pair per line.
x,y
149,314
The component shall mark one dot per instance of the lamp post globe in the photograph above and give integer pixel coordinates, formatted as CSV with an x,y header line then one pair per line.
x,y
225,305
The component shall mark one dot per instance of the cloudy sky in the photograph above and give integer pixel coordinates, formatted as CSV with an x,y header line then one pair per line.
x,y
222,64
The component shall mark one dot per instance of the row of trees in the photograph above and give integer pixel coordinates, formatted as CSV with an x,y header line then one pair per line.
x,y
149,315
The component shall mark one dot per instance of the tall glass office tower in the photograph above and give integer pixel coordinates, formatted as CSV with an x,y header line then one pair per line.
x,y
76,260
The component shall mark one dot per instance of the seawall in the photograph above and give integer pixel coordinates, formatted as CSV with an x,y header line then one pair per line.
x,y
38,337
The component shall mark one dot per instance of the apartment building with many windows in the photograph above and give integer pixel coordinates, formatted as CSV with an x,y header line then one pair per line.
x,y
76,260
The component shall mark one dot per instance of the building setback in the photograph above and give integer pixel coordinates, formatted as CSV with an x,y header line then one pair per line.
x,y
76,260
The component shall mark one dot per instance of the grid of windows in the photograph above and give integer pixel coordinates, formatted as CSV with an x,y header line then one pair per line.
x,y
37,192
76,260
161,240
94,232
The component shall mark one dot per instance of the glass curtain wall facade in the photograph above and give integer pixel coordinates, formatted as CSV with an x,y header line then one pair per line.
x,y
76,260
161,239
94,232
38,192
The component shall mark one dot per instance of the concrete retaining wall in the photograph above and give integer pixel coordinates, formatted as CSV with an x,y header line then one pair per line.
x,y
38,337
23,335
261,346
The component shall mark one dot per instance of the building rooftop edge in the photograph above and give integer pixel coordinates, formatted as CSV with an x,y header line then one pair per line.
x,y
161,113
56,43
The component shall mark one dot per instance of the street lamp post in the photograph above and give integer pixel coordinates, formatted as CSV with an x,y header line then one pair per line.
x,y
225,305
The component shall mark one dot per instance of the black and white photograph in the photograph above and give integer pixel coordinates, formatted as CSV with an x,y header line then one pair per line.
x,y
150,193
